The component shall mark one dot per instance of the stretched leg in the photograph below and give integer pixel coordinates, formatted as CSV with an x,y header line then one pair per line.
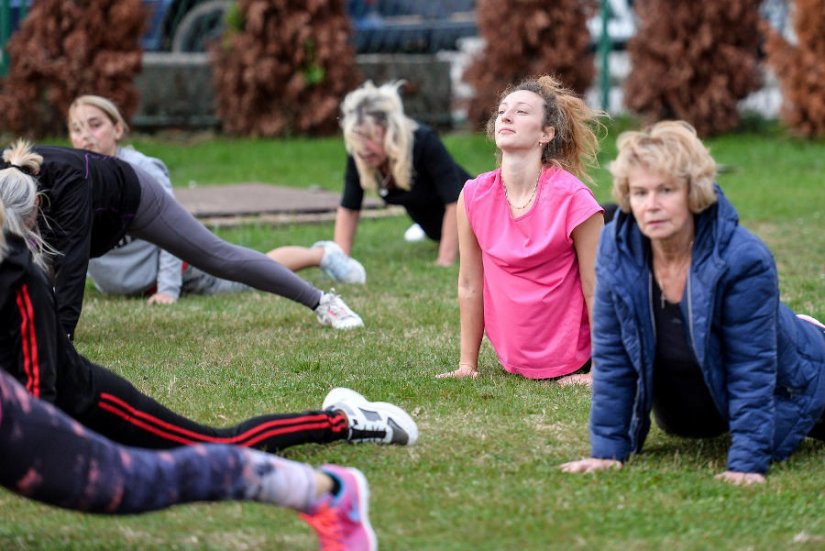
x,y
161,220
198,282
333,262
46,456
326,255
297,258
124,414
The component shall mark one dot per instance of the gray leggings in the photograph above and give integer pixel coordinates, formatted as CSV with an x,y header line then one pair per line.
x,y
161,220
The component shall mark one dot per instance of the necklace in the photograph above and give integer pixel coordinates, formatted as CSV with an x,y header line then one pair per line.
x,y
684,265
532,194
383,191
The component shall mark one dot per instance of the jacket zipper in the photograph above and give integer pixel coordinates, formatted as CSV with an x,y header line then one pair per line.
x,y
690,316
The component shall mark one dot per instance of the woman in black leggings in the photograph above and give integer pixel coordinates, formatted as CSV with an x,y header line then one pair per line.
x,y
87,204
36,351
46,456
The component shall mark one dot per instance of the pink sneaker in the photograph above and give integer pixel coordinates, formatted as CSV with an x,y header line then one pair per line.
x,y
342,521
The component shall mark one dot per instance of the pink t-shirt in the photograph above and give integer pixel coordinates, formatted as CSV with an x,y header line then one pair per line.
x,y
534,311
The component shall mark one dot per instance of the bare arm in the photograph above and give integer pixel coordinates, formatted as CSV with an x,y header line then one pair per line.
x,y
470,298
346,222
448,248
586,241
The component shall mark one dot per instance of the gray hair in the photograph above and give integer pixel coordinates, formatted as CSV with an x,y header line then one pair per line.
x,y
19,196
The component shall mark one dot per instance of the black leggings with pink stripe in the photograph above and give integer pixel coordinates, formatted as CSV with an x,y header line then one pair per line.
x,y
127,416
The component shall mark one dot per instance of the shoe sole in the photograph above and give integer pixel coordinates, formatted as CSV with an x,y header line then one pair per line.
x,y
330,323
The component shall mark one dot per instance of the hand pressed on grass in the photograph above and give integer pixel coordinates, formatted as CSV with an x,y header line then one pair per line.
x,y
464,370
590,465
741,479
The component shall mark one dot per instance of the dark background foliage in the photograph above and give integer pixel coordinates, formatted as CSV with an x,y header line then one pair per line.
x,y
694,61
801,69
527,38
64,49
285,69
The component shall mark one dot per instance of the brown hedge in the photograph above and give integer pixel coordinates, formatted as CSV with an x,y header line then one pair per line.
x,y
64,49
801,69
694,61
285,70
527,38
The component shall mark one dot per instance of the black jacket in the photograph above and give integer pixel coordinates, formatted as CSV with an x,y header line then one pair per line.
x,y
33,346
89,202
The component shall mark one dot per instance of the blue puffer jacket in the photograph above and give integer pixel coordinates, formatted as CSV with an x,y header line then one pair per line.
x,y
762,364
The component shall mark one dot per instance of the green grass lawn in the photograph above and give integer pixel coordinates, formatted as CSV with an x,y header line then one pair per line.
x,y
484,474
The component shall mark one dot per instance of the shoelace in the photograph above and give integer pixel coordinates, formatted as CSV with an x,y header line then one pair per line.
x,y
379,432
328,527
341,311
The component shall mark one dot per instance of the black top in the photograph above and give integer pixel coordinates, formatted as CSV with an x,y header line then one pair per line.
x,y
682,403
437,181
90,201
33,346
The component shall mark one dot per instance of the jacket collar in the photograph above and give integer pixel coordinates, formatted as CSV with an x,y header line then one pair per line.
x,y
715,227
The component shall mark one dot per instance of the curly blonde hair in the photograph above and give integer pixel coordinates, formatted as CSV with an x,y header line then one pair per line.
x,y
576,144
671,148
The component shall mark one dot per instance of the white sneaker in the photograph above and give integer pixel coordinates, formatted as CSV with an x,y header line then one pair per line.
x,y
338,266
372,421
414,233
334,312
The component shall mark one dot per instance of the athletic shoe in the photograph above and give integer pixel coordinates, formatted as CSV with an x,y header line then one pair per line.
x,y
338,266
342,521
334,312
414,233
372,421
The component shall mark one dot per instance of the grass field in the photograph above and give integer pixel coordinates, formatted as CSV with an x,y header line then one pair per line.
x,y
484,474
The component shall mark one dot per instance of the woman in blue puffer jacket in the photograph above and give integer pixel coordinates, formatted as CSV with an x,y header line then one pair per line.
x,y
687,319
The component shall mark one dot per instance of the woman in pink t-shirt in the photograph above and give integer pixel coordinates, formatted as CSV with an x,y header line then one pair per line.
x,y
528,233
